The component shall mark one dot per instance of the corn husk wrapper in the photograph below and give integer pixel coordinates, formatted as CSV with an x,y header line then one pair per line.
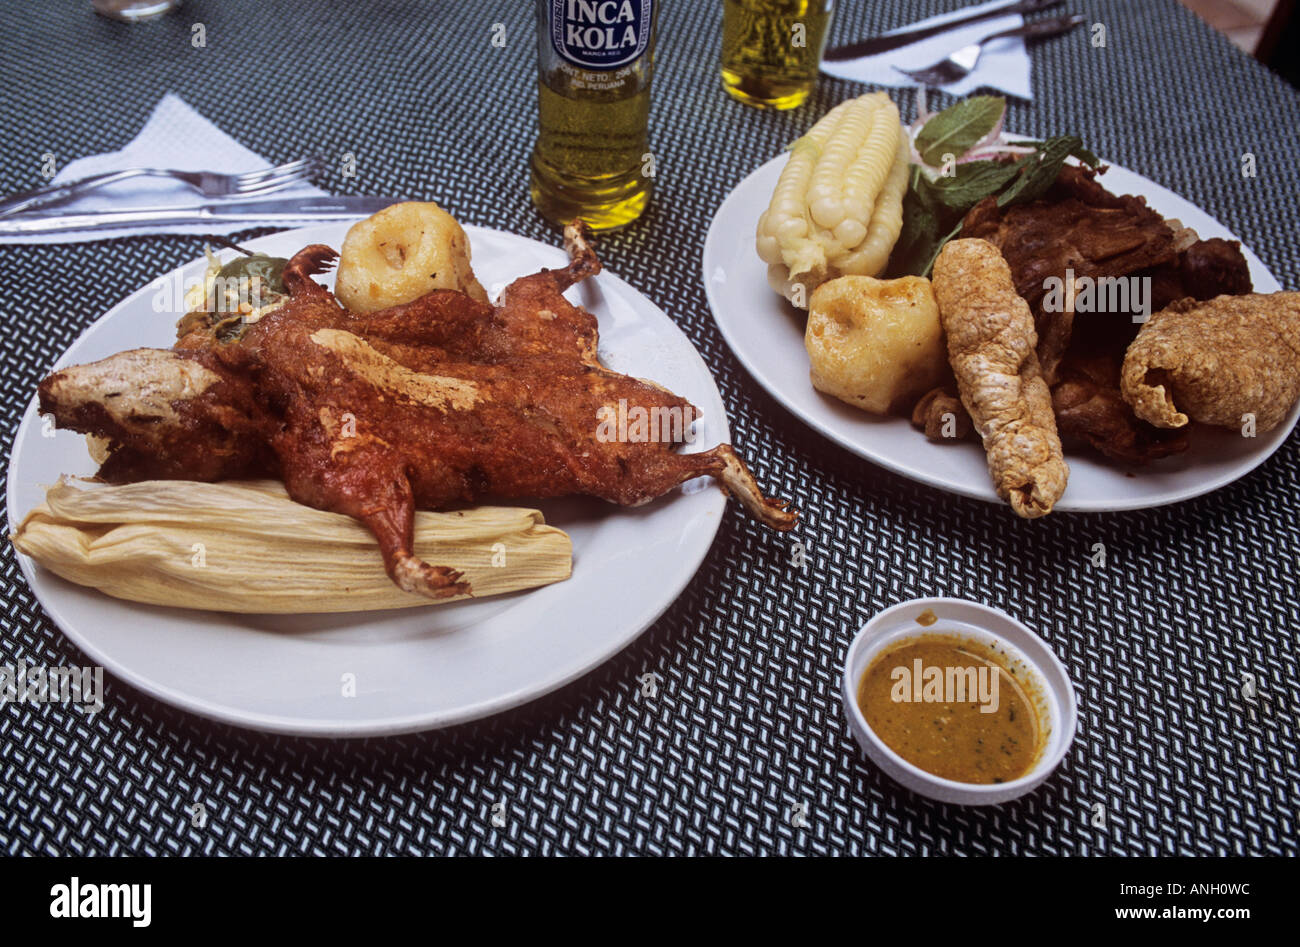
x,y
244,546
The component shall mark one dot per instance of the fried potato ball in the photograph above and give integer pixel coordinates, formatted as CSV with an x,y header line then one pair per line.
x,y
401,253
875,344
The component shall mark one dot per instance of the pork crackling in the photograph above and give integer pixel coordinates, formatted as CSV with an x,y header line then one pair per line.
x,y
1217,362
991,347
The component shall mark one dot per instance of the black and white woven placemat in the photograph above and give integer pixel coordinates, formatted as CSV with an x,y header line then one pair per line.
x,y
746,725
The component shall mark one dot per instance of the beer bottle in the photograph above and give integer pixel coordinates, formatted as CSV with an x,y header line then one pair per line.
x,y
592,159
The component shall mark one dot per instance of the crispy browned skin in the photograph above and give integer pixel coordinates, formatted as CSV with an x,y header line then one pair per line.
x,y
939,410
991,348
1077,226
1204,269
1090,412
1217,362
439,402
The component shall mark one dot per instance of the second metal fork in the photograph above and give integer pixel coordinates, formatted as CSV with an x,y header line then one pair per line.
x,y
207,183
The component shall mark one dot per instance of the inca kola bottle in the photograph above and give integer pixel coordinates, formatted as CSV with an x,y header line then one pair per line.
x,y
592,159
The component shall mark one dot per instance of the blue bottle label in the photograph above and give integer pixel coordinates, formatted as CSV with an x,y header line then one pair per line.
x,y
601,34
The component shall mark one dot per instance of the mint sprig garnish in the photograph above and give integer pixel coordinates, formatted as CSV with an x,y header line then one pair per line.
x,y
964,158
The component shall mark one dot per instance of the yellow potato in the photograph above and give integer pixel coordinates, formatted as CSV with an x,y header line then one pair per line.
x,y
401,253
875,344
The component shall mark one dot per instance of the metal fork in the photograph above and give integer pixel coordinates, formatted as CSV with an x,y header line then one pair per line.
x,y
905,37
959,65
207,183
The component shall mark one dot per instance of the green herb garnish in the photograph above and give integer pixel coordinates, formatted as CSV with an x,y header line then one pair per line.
x,y
957,129
941,191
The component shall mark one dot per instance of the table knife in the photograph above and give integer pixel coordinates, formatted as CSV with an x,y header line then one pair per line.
x,y
883,44
270,212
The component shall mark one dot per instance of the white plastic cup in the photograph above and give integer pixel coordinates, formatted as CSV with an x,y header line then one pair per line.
x,y
1058,712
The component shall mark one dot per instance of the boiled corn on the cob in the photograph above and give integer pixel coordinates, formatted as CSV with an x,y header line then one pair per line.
x,y
838,206
246,547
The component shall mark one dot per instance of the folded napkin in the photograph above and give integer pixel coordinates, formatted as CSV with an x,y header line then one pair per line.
x,y
174,137
1003,66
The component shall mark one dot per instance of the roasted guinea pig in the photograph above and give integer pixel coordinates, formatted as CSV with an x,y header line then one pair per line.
x,y
439,402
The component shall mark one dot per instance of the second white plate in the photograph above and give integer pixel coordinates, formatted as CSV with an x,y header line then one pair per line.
x,y
767,336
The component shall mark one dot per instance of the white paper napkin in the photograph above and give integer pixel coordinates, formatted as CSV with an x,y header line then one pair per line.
x,y
175,137
1004,64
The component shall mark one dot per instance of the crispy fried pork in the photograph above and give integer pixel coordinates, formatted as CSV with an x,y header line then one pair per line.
x,y
1203,270
1091,412
439,402
941,415
1228,361
1076,227
991,348
1080,227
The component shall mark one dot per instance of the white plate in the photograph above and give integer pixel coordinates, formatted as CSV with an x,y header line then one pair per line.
x,y
420,668
766,333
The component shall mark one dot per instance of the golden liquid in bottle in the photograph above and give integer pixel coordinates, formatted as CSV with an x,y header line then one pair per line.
x,y
771,49
592,158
